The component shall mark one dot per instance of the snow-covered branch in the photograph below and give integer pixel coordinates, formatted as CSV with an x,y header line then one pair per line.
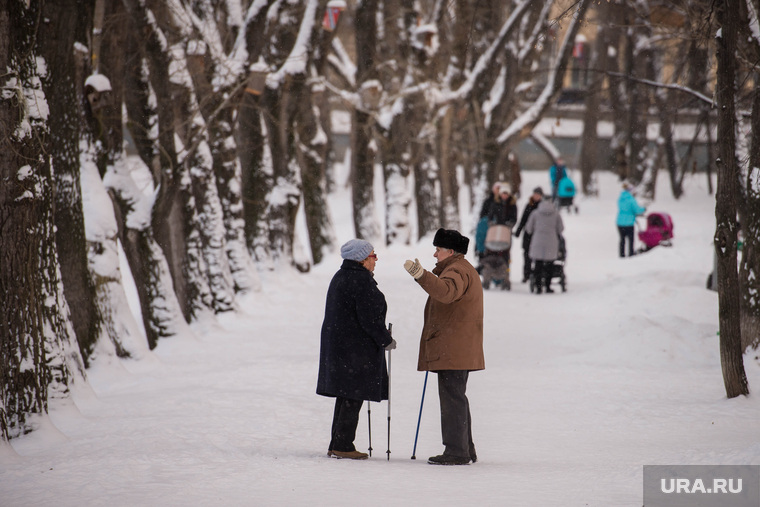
x,y
341,61
524,123
299,55
685,89
486,59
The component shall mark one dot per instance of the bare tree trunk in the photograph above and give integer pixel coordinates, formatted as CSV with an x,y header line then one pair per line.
x,y
598,64
255,163
447,176
160,309
618,91
60,88
638,64
217,105
362,153
312,120
425,173
313,157
284,195
734,376
750,260
101,152
171,221
38,353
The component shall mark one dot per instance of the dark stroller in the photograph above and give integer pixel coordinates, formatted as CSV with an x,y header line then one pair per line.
x,y
659,231
557,269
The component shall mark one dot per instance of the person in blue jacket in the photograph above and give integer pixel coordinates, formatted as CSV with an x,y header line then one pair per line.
x,y
557,172
628,210
354,339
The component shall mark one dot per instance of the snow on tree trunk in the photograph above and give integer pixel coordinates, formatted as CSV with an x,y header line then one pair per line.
x,y
219,93
38,357
362,177
447,176
215,269
363,148
734,376
397,201
313,148
61,83
118,333
425,173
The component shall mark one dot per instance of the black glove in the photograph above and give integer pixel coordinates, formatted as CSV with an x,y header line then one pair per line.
x,y
391,345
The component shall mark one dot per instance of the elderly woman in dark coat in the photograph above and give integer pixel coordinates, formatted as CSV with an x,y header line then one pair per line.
x,y
354,338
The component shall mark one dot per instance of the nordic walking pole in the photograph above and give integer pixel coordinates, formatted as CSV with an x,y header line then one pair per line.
x,y
388,452
414,451
369,424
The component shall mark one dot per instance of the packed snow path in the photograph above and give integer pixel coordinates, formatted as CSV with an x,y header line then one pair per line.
x,y
580,390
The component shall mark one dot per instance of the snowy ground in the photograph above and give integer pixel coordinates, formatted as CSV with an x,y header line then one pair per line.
x,y
580,390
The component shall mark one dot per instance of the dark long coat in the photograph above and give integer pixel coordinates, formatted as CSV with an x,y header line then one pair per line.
x,y
354,337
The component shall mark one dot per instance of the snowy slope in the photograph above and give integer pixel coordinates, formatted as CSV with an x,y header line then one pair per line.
x,y
580,390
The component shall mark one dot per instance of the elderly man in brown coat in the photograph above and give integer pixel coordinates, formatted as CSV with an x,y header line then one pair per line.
x,y
452,339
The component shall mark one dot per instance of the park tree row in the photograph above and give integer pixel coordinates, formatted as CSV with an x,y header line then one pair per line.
x,y
227,107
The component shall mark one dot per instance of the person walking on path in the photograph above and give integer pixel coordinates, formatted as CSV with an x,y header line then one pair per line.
x,y
451,344
532,204
492,196
353,343
628,210
545,227
557,172
503,211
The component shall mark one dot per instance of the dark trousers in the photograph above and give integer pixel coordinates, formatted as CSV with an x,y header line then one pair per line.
x,y
543,274
526,262
455,413
345,420
626,233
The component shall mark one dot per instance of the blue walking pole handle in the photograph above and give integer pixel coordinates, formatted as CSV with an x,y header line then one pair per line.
x,y
419,418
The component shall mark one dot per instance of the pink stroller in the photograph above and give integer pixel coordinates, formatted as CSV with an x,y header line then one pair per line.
x,y
659,231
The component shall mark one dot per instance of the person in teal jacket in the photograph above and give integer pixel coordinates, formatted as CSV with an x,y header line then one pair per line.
x,y
628,210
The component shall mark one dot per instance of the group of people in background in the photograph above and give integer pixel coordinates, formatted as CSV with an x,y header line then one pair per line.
x,y
500,208
542,232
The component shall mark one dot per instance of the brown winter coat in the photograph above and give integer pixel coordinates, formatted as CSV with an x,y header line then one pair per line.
x,y
452,335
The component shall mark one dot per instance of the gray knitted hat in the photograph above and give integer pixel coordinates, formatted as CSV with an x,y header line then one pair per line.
x,y
356,250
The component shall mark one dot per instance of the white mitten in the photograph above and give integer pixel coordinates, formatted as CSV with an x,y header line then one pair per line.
x,y
414,268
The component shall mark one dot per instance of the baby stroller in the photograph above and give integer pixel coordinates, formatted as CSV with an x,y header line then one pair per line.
x,y
557,269
659,231
566,194
494,256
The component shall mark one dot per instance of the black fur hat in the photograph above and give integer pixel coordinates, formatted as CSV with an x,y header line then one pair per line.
x,y
449,238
